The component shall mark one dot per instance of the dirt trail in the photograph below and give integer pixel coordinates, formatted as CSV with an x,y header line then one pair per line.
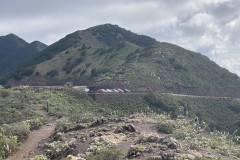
x,y
29,147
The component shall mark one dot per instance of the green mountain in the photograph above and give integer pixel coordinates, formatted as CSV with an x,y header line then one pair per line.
x,y
108,56
14,50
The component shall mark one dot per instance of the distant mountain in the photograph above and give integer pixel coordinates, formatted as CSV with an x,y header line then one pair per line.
x,y
14,50
107,56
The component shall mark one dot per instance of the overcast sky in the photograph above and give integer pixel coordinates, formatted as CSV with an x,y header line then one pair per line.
x,y
211,27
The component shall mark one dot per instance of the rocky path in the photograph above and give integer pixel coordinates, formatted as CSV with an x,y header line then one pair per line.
x,y
29,147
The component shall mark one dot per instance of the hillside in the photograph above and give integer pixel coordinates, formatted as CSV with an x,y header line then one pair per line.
x,y
76,127
108,56
14,50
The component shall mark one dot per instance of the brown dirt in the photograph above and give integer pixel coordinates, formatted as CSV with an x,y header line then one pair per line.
x,y
29,147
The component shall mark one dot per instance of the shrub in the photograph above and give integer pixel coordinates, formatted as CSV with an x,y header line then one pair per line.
x,y
4,93
69,66
69,157
34,123
37,74
57,150
155,101
165,127
63,125
52,73
107,154
8,145
135,151
27,72
19,130
39,157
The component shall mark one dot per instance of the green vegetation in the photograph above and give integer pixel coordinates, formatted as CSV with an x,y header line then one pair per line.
x,y
195,135
135,151
19,117
12,135
39,157
12,46
117,57
52,73
57,149
107,154
4,93
165,128
218,113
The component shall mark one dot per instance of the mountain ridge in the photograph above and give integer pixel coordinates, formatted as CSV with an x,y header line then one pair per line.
x,y
108,56
14,50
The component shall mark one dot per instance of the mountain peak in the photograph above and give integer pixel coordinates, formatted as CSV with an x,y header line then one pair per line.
x,y
15,50
113,34
13,40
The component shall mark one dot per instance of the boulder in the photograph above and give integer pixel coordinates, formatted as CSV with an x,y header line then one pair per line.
x,y
155,158
171,142
130,128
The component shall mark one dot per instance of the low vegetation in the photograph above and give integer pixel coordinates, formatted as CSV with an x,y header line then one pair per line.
x,y
175,116
107,154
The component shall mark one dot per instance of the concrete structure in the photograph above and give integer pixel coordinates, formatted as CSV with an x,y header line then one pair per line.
x,y
115,97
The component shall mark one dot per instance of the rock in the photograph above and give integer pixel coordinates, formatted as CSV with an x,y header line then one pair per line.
x,y
81,155
135,151
90,149
171,142
91,134
155,158
99,134
79,126
131,151
190,156
59,136
167,155
73,142
98,122
152,138
103,129
130,128
119,129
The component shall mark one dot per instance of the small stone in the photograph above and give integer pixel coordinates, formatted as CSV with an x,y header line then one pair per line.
x,y
155,158
91,134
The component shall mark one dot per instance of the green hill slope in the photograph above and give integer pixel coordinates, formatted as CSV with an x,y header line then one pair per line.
x,y
14,50
108,56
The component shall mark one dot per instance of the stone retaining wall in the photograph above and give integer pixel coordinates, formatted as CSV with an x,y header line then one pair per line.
x,y
115,97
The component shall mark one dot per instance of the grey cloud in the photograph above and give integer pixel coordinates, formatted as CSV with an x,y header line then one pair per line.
x,y
209,27
225,11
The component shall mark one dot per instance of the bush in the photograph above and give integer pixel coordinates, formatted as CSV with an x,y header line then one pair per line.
x,y
155,101
4,93
34,124
39,157
19,130
57,150
107,154
135,151
52,73
69,66
63,125
8,145
165,127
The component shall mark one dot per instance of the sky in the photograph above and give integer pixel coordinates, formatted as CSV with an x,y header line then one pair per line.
x,y
210,27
